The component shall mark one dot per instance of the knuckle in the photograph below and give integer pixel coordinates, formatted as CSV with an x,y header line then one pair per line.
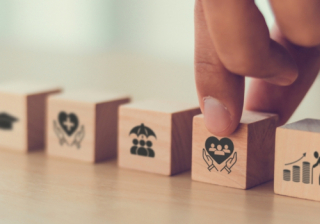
x,y
207,68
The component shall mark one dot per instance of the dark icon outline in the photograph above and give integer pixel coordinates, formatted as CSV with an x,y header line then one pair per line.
x,y
6,121
219,150
231,161
224,153
304,155
209,161
68,122
144,132
296,170
316,155
64,130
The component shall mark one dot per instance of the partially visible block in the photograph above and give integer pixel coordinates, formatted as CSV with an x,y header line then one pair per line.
x,y
22,115
82,125
155,136
297,161
242,160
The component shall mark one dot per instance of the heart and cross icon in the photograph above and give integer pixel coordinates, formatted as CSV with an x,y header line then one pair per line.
x,y
68,122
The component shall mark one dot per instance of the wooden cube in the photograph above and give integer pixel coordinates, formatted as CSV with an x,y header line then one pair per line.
x,y
155,136
83,125
297,161
22,115
242,160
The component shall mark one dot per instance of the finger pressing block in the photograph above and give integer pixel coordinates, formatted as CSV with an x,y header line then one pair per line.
x,y
242,160
82,125
297,161
22,114
155,136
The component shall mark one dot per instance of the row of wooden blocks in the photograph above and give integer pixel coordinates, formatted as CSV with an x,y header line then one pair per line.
x,y
161,137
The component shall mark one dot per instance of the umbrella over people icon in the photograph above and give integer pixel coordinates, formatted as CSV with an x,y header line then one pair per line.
x,y
142,143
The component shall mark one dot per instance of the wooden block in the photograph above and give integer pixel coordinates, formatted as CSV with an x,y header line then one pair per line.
x,y
155,136
242,160
297,161
83,125
22,114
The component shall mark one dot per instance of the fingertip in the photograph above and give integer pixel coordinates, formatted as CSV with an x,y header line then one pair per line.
x,y
217,118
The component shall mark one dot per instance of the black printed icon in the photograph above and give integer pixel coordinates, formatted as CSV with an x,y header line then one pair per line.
x,y
316,155
294,173
142,143
219,151
69,124
6,121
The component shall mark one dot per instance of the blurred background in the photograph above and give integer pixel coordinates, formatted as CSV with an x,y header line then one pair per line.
x,y
141,47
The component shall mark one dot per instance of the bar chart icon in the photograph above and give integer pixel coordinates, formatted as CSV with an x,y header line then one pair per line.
x,y
296,172
287,175
306,172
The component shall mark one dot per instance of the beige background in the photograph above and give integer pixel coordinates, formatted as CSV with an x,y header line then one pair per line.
x,y
140,47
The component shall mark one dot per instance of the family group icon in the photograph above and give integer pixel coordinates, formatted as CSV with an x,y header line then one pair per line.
x,y
142,141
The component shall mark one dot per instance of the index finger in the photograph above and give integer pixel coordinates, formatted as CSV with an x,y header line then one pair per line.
x,y
220,92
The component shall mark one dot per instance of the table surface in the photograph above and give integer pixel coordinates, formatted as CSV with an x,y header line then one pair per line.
x,y
37,189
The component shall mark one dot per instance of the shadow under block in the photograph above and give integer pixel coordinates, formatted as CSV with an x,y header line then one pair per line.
x,y
155,136
242,160
297,162
83,125
22,115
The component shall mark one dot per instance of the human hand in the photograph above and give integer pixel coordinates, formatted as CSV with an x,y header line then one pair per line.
x,y
232,41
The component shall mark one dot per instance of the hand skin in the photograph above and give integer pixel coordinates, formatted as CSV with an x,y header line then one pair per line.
x,y
232,41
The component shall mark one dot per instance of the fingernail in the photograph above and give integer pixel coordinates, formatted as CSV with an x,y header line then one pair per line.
x,y
216,116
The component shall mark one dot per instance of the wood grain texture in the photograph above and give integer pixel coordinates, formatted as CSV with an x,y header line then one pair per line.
x,y
96,117
15,105
27,103
260,154
181,143
292,141
253,143
107,129
172,125
39,189
36,115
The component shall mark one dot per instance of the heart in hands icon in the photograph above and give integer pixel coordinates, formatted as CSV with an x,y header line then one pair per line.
x,y
220,152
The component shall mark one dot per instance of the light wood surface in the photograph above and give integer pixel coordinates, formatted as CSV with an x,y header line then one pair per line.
x,y
243,160
171,124
296,145
93,120
36,189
